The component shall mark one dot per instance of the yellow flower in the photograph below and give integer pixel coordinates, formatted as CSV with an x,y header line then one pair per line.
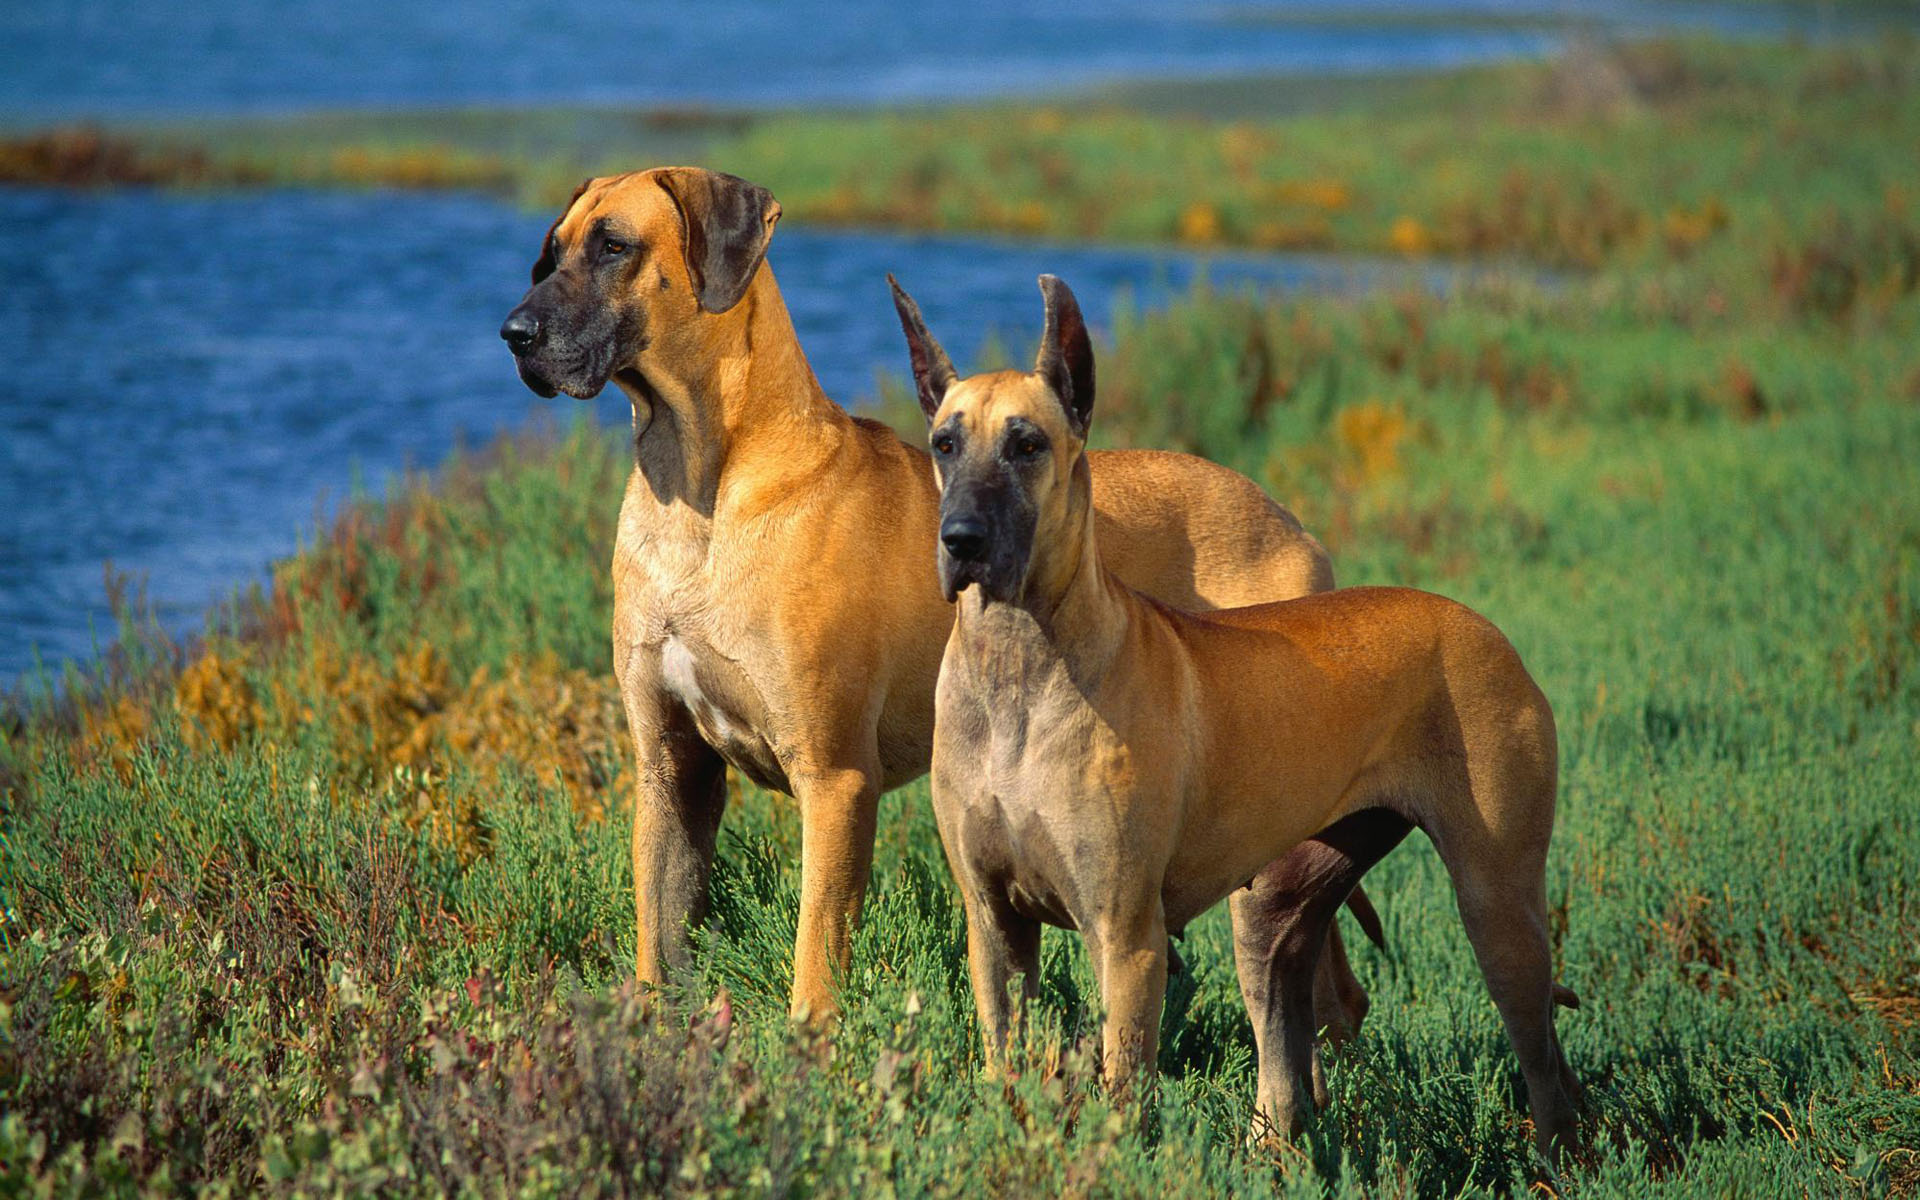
x,y
216,703
1200,222
1408,236
1371,433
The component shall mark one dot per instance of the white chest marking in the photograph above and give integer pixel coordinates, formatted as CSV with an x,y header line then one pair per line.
x,y
677,672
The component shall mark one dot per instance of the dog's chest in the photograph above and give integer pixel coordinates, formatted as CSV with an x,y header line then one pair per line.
x,y
724,704
1018,847
678,633
680,676
1030,789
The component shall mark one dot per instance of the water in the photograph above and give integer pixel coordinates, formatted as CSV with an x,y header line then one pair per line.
x,y
188,374
68,58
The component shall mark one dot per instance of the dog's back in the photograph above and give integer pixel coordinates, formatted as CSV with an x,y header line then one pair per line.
x,y
1387,680
1241,547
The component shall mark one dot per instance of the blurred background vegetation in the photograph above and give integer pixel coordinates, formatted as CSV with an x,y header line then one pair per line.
x,y
336,897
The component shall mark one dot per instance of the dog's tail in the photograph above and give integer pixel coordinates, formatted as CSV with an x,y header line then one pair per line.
x,y
1369,918
1363,912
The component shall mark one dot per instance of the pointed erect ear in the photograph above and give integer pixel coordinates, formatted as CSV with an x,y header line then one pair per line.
x,y
725,225
933,371
549,253
1066,354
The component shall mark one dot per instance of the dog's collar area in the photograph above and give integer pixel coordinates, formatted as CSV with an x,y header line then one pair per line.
x,y
631,380
643,396
631,377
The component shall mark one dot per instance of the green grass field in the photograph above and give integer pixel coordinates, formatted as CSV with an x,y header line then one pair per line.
x,y
339,899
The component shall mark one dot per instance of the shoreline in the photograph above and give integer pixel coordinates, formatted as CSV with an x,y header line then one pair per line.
x,y
1808,21
1558,162
498,147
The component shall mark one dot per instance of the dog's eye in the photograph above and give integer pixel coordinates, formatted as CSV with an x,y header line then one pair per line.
x,y
943,445
1030,447
612,248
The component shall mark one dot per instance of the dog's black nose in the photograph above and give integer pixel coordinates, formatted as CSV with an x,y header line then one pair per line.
x,y
521,330
964,537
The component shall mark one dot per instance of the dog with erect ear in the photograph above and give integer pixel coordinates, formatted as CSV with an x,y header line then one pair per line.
x,y
776,608
1107,763
1065,362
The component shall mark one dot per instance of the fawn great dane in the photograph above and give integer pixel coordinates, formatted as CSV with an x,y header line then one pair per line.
x,y
775,602
1109,764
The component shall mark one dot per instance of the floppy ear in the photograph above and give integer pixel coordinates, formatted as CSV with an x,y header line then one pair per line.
x,y
725,225
548,260
1066,354
933,371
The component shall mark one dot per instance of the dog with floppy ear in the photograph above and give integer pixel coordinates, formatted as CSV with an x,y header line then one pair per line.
x,y
775,605
1105,763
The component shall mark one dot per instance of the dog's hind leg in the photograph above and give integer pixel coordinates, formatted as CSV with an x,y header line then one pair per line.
x,y
1499,883
1280,927
1508,929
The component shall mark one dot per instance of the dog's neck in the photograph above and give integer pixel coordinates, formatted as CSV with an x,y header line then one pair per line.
x,y
1071,614
748,391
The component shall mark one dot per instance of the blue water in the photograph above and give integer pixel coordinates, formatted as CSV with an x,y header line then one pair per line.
x,y
189,378
66,58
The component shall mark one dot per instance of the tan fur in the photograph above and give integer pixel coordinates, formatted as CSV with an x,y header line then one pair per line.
x,y
775,602
1105,763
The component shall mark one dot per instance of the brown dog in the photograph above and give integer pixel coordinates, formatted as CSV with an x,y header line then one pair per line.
x,y
775,605
1105,763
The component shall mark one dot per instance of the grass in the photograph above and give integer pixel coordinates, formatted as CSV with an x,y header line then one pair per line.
x,y
345,902
337,898
1643,152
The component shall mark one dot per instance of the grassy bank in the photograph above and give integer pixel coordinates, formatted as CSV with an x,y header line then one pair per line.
x,y
345,901
1643,152
338,898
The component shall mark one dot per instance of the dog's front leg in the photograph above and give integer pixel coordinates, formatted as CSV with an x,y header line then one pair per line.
x,y
837,814
678,800
1129,953
1002,947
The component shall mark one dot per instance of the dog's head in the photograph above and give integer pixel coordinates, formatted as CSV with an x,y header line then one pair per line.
x,y
631,265
1009,449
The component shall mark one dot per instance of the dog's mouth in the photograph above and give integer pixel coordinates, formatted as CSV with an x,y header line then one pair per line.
x,y
547,382
957,575
535,381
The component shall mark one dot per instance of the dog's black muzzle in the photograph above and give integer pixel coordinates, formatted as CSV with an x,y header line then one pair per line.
x,y
523,331
965,537
985,535
561,341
